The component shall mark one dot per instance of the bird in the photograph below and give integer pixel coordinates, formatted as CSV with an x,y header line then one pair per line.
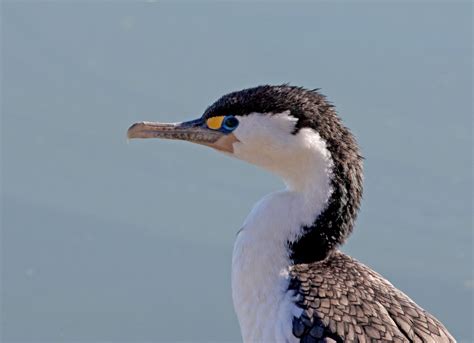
x,y
290,280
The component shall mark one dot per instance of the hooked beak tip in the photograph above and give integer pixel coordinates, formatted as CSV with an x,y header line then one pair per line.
x,y
132,131
146,129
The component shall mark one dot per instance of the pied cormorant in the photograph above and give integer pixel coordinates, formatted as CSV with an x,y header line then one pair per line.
x,y
290,282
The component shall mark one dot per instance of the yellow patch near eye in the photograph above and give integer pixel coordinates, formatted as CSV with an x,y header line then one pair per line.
x,y
215,123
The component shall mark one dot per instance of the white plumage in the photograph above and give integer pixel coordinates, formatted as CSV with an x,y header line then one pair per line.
x,y
260,262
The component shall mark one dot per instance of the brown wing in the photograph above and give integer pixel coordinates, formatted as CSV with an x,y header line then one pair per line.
x,y
345,301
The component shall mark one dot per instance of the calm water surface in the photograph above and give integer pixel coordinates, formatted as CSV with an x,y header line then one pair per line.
x,y
108,241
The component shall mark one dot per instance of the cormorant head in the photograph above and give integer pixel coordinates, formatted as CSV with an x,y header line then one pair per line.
x,y
288,130
273,127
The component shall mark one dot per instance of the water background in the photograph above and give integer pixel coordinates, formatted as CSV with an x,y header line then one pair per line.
x,y
108,241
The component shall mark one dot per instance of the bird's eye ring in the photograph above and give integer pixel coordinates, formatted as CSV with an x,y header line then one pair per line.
x,y
230,123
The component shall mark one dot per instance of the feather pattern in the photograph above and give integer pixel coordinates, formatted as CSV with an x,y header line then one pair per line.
x,y
345,301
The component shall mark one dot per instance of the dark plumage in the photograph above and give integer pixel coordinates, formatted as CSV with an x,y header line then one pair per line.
x,y
345,301
342,299
312,109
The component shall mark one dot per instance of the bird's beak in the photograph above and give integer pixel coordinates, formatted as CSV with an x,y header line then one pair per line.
x,y
194,131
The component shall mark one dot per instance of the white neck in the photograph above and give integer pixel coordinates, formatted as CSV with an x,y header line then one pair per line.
x,y
261,257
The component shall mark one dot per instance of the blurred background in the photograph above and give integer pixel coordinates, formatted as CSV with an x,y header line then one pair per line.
x,y
108,241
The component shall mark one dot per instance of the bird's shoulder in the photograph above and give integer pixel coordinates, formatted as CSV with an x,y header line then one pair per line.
x,y
345,301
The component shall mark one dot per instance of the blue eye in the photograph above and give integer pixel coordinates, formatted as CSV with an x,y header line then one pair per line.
x,y
230,123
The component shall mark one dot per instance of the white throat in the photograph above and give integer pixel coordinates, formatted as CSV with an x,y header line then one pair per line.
x,y
261,257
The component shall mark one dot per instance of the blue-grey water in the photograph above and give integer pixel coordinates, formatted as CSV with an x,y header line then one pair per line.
x,y
108,241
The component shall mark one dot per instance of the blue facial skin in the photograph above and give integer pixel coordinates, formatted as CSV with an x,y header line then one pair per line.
x,y
229,124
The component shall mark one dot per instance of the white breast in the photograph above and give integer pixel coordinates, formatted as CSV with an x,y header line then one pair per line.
x,y
260,262
260,271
